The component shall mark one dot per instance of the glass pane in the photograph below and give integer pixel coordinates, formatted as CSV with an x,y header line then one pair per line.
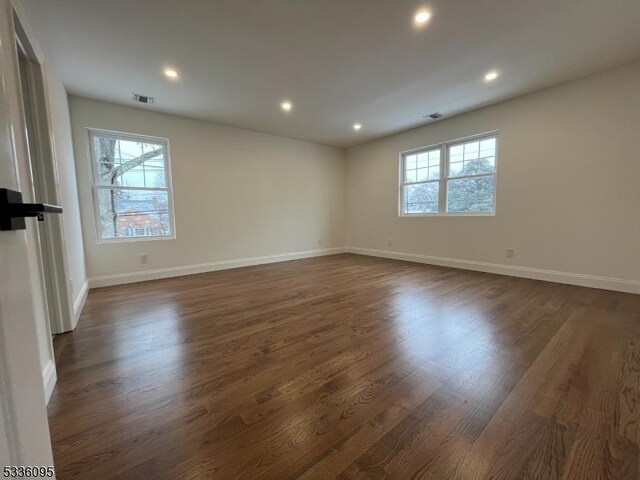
x,y
457,150
471,150
423,160
129,163
455,169
421,198
133,213
410,176
471,195
423,174
476,167
488,147
434,172
473,158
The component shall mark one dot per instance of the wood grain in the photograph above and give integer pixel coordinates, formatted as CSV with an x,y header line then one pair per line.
x,y
349,367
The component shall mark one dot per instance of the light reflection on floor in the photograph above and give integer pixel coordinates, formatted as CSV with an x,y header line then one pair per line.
x,y
453,340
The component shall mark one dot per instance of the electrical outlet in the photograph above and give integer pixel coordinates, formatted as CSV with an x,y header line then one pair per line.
x,y
144,258
389,242
319,241
510,252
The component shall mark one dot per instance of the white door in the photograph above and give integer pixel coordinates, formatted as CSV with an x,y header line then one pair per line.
x,y
24,430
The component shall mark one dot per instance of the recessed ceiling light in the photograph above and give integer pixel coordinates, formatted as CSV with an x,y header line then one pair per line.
x,y
286,106
357,126
171,73
422,17
491,76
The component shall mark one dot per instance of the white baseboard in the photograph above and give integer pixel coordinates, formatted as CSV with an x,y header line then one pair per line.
x,y
123,278
593,281
79,303
49,379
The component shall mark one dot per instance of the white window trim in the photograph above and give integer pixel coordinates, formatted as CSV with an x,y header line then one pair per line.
x,y
91,132
444,177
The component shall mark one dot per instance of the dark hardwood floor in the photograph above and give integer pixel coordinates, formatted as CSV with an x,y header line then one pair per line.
x,y
349,367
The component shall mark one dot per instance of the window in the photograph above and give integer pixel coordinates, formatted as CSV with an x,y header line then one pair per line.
x,y
141,232
454,178
131,186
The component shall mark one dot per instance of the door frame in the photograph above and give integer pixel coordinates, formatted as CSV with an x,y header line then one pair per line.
x,y
54,273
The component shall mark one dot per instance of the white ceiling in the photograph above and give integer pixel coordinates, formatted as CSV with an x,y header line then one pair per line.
x,y
338,61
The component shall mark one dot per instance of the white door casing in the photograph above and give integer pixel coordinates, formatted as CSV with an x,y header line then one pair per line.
x,y
45,176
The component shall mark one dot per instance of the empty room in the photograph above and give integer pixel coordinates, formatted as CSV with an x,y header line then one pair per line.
x,y
320,239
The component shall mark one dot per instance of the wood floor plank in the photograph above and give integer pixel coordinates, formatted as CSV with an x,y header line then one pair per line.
x,y
424,431
349,367
548,457
342,455
629,393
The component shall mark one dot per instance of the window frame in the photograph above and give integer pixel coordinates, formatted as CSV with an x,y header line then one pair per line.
x,y
95,187
444,178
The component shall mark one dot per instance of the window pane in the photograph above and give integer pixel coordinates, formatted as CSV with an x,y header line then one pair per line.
x,y
133,213
428,158
455,169
488,147
423,174
472,158
471,150
478,166
456,150
471,195
421,198
422,166
423,160
129,163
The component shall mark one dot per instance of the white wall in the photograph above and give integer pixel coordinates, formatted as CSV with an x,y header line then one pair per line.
x,y
67,187
568,188
238,194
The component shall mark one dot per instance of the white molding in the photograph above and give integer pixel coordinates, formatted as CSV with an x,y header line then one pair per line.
x,y
79,303
49,378
133,277
580,279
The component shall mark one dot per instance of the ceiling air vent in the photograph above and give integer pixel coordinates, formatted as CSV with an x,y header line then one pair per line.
x,y
136,97
434,115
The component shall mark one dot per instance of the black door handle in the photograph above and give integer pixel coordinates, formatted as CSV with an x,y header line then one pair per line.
x,y
13,211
